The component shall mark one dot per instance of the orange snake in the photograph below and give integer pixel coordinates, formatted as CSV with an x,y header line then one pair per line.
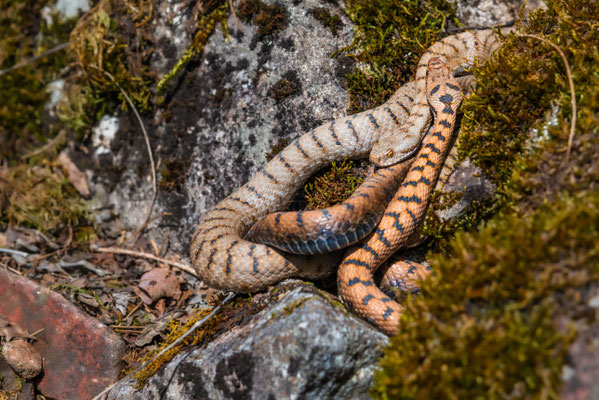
x,y
405,211
219,252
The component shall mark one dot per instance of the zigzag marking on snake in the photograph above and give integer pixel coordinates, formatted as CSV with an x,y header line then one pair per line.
x,y
274,187
459,52
403,214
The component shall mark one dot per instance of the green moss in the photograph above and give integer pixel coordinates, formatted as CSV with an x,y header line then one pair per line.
x,y
333,184
331,21
38,198
111,46
289,308
390,36
270,19
486,325
493,298
206,26
25,34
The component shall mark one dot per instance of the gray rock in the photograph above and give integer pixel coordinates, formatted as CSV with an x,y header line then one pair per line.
x,y
299,347
221,117
469,181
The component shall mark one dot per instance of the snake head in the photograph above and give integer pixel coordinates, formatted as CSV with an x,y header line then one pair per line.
x,y
392,149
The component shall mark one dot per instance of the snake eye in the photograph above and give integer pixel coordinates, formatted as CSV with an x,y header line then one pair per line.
x,y
389,153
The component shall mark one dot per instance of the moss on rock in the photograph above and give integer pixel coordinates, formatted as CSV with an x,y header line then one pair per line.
x,y
390,36
25,34
486,325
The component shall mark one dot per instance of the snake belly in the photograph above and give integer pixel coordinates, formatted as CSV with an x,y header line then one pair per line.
x,y
220,254
355,276
458,52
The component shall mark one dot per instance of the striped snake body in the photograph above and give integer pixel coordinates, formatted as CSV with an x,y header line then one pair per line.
x,y
220,253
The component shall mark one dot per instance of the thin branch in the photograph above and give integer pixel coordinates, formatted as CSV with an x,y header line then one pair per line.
x,y
118,250
14,252
150,155
570,82
61,135
234,15
34,58
192,329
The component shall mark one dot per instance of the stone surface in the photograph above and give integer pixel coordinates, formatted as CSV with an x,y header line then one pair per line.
x,y
469,181
300,347
23,358
221,118
80,355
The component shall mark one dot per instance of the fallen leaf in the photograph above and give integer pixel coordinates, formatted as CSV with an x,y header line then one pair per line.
x,y
76,177
159,283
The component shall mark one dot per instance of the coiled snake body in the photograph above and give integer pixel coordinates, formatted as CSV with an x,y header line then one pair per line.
x,y
405,211
224,259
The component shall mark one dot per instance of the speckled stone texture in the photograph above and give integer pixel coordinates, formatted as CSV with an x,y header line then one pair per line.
x,y
221,116
301,347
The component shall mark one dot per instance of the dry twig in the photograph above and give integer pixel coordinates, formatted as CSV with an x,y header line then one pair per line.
x,y
150,155
570,82
118,250
34,58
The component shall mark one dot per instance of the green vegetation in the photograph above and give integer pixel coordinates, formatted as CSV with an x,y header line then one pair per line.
x,y
486,326
333,185
39,198
390,36
270,19
284,88
23,35
205,28
331,21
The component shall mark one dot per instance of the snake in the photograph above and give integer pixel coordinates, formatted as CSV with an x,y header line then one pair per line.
x,y
403,214
220,252
459,52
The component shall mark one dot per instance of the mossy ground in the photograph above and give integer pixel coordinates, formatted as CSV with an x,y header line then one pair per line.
x,y
23,35
486,326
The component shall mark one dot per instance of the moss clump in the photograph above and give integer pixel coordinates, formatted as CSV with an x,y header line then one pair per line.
x,y
333,184
176,329
486,326
24,33
390,36
270,19
112,45
331,21
38,198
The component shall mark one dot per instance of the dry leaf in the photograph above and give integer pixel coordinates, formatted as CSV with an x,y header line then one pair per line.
x,y
159,283
76,177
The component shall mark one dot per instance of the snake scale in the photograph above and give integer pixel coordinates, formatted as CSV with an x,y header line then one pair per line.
x,y
222,256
